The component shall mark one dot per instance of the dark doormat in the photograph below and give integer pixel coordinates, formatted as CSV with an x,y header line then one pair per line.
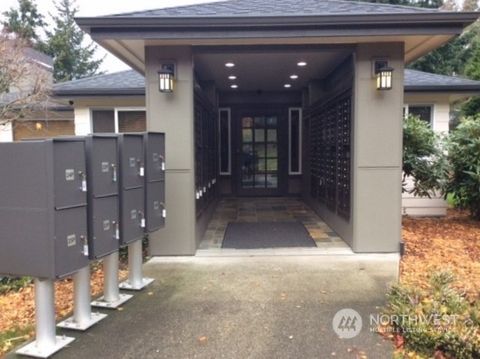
x,y
256,235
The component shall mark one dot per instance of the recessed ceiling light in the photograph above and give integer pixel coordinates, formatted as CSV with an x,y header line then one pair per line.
x,y
302,64
287,86
229,64
294,77
232,77
234,86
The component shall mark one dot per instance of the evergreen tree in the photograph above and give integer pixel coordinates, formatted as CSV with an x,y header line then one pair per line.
x,y
25,22
72,60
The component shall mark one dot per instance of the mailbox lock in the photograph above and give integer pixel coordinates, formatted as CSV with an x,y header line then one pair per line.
x,y
117,230
141,170
85,245
114,172
142,219
83,177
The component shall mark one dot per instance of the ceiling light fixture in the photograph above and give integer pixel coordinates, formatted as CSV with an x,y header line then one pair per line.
x,y
232,77
230,64
302,64
234,86
294,77
287,86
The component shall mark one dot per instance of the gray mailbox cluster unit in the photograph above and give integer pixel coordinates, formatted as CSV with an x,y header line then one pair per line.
x,y
155,211
43,212
132,187
103,207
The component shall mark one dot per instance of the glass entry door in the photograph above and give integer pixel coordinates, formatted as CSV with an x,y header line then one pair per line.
x,y
259,155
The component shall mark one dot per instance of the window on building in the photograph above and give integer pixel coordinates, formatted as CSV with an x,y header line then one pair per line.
x,y
103,121
119,120
132,121
224,128
295,141
424,112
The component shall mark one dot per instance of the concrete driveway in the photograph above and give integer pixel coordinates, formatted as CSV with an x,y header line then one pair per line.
x,y
245,307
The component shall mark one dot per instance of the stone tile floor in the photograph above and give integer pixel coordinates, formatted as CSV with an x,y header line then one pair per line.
x,y
267,209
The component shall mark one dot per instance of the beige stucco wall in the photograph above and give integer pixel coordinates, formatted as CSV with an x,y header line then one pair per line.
x,y
377,152
173,114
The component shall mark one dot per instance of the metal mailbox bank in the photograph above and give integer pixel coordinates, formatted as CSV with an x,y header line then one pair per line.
x,y
43,212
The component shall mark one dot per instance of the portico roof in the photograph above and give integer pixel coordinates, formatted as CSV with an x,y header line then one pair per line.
x,y
132,83
279,22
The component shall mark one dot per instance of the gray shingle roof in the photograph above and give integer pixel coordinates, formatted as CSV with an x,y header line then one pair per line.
x,y
247,8
132,83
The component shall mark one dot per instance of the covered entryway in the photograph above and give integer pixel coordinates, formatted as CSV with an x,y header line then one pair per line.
x,y
317,63
268,210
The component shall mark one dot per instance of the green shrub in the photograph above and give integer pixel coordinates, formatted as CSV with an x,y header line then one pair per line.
x,y
423,158
438,318
464,158
8,284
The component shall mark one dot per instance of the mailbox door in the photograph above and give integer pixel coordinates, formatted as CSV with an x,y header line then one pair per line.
x,y
104,165
155,157
70,240
105,236
133,161
155,206
69,174
132,213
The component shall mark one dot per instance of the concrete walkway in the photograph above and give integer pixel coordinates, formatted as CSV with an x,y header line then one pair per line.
x,y
245,307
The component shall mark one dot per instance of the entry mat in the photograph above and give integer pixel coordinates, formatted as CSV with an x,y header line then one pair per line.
x,y
257,235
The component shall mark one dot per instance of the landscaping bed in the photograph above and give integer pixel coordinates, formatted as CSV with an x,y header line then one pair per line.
x,y
17,307
440,283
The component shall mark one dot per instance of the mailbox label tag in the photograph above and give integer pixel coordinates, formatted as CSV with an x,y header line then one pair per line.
x,y
106,225
132,161
155,157
133,214
156,205
105,167
71,240
69,174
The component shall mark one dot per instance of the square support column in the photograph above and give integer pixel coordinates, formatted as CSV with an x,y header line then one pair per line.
x,y
377,152
173,113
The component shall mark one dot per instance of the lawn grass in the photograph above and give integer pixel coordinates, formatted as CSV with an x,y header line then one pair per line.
x,y
13,337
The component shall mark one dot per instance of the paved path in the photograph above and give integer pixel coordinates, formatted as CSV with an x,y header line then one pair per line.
x,y
254,307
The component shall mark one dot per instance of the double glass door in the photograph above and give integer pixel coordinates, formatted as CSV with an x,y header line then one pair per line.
x,y
259,155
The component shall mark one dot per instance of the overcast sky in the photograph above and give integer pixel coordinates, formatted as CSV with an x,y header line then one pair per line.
x,y
105,7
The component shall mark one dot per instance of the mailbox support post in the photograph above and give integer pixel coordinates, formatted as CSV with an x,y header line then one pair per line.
x,y
112,298
82,318
46,342
135,281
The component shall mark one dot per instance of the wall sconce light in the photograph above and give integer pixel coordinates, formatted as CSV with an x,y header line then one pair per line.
x,y
166,78
383,74
39,126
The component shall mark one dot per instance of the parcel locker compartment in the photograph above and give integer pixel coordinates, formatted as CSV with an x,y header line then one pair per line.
x,y
132,215
133,161
155,156
104,236
155,206
71,249
104,166
70,176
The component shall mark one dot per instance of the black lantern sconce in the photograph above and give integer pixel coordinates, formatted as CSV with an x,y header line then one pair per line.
x,y
166,78
383,74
